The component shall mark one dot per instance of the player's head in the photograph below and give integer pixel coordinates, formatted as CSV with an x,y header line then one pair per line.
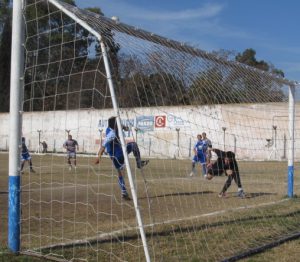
x,y
112,123
69,137
199,137
23,139
204,135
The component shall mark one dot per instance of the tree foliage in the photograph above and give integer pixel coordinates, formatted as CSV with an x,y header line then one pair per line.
x,y
62,63
5,51
236,84
65,70
248,58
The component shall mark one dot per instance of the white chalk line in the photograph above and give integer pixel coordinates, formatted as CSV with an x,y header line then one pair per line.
x,y
116,233
169,179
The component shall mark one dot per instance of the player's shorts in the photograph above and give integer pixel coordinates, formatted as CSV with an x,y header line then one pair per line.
x,y
199,158
71,155
118,161
25,156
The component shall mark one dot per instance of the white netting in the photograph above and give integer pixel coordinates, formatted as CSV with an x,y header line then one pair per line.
x,y
167,93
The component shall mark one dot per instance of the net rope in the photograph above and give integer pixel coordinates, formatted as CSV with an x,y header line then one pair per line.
x,y
168,93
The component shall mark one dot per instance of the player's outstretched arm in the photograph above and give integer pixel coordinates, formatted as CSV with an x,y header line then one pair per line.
x,y
99,155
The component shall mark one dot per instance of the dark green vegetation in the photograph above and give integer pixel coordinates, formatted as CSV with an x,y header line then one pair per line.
x,y
64,69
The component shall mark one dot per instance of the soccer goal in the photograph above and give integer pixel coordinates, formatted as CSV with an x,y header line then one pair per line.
x,y
80,82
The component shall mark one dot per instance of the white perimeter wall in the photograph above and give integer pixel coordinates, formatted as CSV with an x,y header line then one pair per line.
x,y
161,129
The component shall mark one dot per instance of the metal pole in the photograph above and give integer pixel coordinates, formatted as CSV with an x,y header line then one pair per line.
x,y
136,129
234,144
54,146
39,131
178,130
224,130
291,141
68,132
284,147
16,85
122,140
275,141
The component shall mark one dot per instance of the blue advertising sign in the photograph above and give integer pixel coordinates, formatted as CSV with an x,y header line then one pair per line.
x,y
145,123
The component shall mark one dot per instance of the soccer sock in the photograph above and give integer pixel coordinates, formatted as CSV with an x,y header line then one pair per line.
x,y
193,167
203,169
122,184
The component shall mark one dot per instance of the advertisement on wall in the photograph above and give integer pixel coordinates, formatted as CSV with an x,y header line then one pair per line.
x,y
160,121
176,121
145,123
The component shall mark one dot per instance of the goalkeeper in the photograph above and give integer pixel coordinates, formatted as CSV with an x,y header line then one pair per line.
x,y
221,162
113,147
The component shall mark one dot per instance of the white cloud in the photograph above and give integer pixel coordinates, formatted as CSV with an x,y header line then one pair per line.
x,y
205,12
125,10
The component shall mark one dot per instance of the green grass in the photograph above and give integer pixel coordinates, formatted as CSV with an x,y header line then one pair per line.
x,y
183,217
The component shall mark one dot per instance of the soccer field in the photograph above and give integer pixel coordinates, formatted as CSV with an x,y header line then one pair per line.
x,y
81,214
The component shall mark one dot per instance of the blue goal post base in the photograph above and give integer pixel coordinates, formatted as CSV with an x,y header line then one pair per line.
x,y
14,214
290,181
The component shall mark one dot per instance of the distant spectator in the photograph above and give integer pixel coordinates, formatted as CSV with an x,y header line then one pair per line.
x,y
208,143
45,146
25,156
206,140
71,145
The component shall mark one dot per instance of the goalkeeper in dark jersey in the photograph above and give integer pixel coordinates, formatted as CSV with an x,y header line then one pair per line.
x,y
224,162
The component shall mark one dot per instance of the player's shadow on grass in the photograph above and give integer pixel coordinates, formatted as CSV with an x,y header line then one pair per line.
x,y
181,194
258,194
3,192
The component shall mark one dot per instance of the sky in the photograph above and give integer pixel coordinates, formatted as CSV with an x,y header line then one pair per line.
x,y
270,27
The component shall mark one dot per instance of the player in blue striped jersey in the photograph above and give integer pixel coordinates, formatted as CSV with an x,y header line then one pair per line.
x,y
112,146
200,149
25,156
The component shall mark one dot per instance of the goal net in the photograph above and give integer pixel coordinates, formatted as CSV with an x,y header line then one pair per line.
x,y
81,69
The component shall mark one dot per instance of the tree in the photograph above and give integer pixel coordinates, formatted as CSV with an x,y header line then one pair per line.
x,y
248,58
5,51
62,69
65,82
222,84
5,11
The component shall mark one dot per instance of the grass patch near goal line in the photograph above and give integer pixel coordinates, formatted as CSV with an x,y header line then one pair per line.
x,y
184,219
